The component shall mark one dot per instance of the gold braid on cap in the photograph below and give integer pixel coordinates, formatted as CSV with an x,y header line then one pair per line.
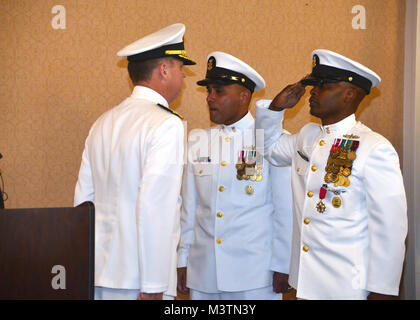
x,y
180,53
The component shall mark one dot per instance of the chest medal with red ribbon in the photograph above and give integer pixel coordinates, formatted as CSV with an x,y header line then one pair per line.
x,y
338,169
250,165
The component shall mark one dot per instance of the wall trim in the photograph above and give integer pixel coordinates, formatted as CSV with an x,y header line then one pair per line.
x,y
411,153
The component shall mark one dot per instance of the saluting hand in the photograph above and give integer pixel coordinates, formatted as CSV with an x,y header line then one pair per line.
x,y
288,97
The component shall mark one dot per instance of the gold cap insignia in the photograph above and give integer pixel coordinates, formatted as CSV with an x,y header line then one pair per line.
x,y
176,52
211,63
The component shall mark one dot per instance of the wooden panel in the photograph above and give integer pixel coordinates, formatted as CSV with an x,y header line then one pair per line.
x,y
33,241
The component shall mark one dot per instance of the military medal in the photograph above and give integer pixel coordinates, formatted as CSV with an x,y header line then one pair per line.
x,y
250,160
338,169
250,165
321,205
240,166
340,162
328,178
259,167
336,202
250,170
249,190
351,156
346,172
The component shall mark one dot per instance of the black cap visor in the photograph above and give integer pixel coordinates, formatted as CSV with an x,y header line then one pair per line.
x,y
187,61
217,81
224,76
313,81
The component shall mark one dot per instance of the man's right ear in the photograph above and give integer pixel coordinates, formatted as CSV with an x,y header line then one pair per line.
x,y
163,70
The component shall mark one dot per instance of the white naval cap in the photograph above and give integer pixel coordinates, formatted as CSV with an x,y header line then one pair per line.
x,y
328,66
167,42
226,69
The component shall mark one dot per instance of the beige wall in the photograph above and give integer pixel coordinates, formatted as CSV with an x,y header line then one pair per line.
x,y
55,83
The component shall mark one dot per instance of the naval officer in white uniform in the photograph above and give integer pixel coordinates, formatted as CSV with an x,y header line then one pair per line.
x,y
350,218
236,208
132,170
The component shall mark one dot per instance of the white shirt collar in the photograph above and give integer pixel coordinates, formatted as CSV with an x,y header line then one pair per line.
x,y
141,92
340,127
246,122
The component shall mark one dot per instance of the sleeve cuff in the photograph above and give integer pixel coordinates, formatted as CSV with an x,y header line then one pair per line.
x,y
263,103
280,268
182,258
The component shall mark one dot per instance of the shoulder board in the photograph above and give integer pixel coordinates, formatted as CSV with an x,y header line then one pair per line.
x,y
171,111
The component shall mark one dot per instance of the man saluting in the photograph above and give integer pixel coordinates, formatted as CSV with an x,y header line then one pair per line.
x,y
350,218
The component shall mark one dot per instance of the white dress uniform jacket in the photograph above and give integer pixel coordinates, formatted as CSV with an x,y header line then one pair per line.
x,y
231,240
357,248
132,170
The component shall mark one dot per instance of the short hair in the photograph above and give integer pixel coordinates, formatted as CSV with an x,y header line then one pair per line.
x,y
143,70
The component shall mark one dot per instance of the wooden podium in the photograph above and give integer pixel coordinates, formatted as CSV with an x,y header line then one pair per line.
x,y
47,253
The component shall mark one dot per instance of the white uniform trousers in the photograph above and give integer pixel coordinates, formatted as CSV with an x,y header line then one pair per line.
x,y
265,293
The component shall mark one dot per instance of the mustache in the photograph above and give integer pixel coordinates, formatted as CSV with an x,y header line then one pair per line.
x,y
212,106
